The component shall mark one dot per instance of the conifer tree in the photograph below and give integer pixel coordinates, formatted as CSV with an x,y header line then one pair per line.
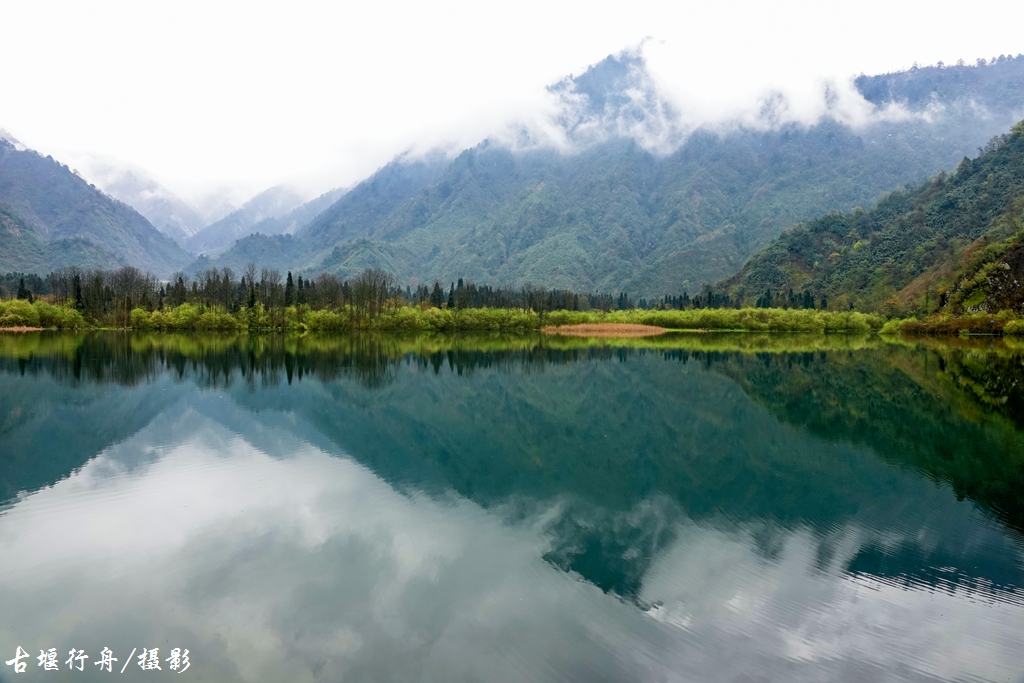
x,y
289,290
76,286
437,295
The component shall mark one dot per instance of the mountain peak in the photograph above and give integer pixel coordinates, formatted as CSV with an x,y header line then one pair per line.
x,y
617,97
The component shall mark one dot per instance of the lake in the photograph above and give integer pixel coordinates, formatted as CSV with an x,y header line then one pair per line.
x,y
682,508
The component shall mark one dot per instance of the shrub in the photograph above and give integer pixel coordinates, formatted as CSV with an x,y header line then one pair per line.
x,y
1014,328
140,319
18,313
894,326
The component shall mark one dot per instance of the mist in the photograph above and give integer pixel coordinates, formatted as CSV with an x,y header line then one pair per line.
x,y
223,102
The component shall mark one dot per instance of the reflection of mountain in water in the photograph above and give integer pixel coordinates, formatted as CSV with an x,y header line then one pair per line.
x,y
952,414
626,441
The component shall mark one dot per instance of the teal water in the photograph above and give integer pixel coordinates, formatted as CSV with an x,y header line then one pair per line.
x,y
690,509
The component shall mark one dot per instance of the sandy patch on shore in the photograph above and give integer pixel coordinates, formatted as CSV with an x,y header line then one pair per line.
x,y
605,330
21,329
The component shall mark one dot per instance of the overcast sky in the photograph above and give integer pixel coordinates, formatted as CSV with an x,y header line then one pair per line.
x,y
250,94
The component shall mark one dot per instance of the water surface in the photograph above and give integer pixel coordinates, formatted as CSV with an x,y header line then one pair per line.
x,y
695,508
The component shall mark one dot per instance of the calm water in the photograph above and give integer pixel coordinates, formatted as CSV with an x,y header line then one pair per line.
x,y
692,509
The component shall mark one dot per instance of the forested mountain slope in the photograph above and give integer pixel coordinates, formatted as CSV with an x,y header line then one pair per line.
x,y
617,216
21,249
996,85
954,243
58,205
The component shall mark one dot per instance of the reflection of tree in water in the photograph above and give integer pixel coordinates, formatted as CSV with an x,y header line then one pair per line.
x,y
267,361
950,413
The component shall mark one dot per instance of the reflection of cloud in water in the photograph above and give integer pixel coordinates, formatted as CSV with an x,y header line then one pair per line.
x,y
312,568
712,581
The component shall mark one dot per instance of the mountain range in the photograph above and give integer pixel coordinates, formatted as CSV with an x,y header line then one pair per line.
x,y
621,209
617,194
265,206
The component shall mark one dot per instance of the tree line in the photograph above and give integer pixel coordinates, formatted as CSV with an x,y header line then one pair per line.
x,y
108,297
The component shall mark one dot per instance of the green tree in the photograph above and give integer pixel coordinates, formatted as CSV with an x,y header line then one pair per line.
x,y
289,290
437,295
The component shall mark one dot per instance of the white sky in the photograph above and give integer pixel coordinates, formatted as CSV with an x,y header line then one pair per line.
x,y
250,94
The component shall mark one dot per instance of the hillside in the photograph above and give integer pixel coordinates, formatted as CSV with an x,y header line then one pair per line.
x,y
619,214
67,213
21,249
954,243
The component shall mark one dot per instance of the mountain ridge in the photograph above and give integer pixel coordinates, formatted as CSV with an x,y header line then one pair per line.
x,y
60,205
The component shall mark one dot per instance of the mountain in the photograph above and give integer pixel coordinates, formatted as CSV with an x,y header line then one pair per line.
x,y
955,243
22,250
367,202
267,205
68,218
167,212
630,198
995,86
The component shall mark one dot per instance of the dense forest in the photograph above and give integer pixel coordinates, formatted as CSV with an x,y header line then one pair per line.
x,y
954,244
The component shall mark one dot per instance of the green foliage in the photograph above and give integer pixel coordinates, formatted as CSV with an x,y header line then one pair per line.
x,y
18,313
141,319
22,248
58,317
518,321
1014,328
963,325
936,245
187,317
21,313
892,327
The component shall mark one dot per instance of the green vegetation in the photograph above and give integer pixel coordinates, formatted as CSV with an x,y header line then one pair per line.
x,y
51,218
22,249
404,318
21,313
949,254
